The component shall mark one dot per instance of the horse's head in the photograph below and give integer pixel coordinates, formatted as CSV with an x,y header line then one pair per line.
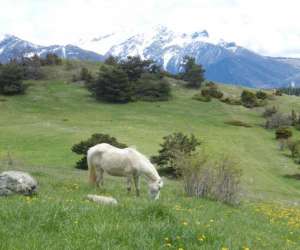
x,y
154,189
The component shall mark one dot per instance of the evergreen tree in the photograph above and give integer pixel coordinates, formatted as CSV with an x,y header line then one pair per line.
x,y
85,75
11,79
112,85
192,73
134,67
111,60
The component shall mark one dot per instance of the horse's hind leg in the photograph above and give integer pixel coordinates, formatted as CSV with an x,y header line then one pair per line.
x,y
129,182
136,179
99,180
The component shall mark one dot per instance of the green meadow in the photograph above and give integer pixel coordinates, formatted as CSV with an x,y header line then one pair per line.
x,y
37,131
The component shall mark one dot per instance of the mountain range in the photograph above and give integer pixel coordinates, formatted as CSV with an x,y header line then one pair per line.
x,y
223,61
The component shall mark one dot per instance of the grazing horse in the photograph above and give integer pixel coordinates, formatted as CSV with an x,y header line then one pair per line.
x,y
126,162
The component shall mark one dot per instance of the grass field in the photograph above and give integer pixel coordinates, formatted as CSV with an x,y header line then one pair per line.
x,y
39,128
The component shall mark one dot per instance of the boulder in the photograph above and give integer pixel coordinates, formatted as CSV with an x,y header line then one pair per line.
x,y
16,182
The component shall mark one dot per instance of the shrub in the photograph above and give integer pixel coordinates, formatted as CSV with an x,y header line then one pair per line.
x,y
248,99
228,177
212,91
150,87
202,178
174,144
32,68
261,95
269,111
278,92
238,123
82,147
283,133
294,147
85,75
294,118
201,98
278,120
11,79
231,101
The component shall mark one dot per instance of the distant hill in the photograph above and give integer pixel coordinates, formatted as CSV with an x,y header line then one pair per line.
x,y
12,47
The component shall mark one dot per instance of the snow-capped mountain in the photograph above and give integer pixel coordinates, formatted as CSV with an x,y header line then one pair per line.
x,y
12,47
223,61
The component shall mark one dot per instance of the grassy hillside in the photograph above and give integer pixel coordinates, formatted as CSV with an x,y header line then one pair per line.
x,y
39,128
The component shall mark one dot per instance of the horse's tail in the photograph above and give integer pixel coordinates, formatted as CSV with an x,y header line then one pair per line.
x,y
92,170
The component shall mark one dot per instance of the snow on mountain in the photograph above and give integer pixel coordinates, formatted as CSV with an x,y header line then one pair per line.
x,y
12,47
223,61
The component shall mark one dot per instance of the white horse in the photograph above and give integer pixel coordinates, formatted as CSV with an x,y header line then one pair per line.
x,y
126,162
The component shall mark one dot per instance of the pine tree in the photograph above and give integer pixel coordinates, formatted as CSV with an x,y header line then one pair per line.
x,y
11,79
192,73
112,85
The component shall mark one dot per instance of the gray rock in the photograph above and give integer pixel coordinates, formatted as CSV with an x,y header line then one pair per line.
x,y
12,182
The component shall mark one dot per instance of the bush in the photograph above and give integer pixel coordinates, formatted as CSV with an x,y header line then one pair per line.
x,y
269,111
278,120
261,95
82,147
32,68
248,99
283,133
85,75
294,147
201,98
278,92
173,145
112,85
212,91
11,79
231,101
238,123
219,181
150,87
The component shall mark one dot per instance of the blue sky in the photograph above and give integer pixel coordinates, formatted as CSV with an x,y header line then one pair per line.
x,y
270,27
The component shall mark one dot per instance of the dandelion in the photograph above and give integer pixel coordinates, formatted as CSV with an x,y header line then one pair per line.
x,y
246,248
180,248
224,248
168,244
211,220
166,239
184,223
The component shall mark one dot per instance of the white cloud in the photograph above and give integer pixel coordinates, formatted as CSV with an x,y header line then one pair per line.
x,y
270,27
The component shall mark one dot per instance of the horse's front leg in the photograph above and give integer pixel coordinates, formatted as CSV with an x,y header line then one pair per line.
x,y
136,179
129,182
99,179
